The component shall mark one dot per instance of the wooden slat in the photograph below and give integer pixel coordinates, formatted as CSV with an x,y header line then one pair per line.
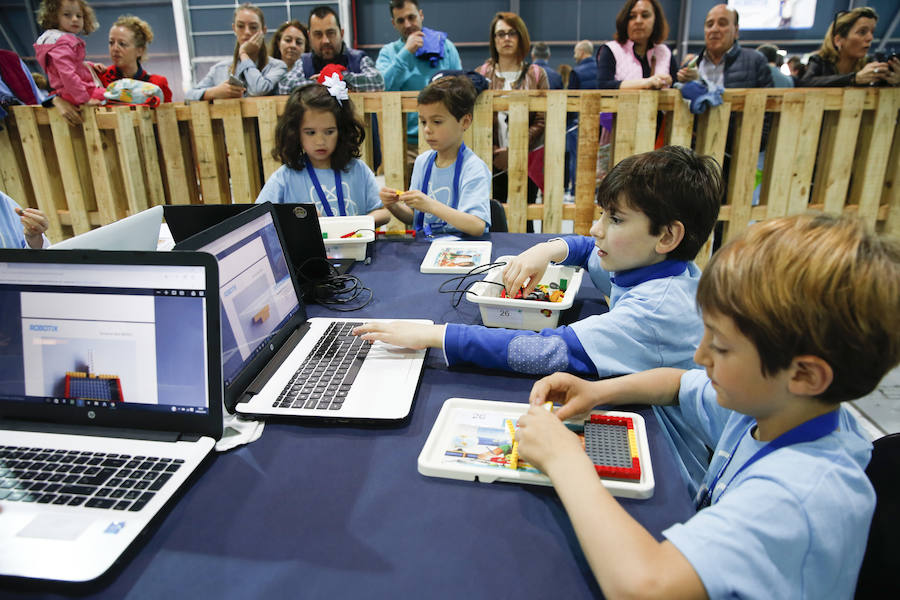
x,y
268,121
65,154
204,146
891,195
12,177
237,153
251,143
517,170
366,149
780,155
171,145
712,132
586,162
483,130
393,141
135,191
745,156
645,130
38,168
625,129
681,124
837,149
874,149
103,183
554,162
152,174
804,161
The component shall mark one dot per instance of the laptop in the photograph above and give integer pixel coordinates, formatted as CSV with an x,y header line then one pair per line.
x,y
299,225
110,397
275,361
137,232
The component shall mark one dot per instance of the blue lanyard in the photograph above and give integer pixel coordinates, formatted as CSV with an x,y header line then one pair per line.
x,y
457,169
338,188
806,432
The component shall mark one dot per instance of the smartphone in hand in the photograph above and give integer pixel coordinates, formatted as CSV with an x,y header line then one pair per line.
x,y
235,81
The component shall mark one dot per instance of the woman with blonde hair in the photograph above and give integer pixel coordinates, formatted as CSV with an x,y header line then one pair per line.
x,y
128,40
250,72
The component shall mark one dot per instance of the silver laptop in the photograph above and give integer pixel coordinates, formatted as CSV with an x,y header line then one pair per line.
x,y
275,361
137,232
110,396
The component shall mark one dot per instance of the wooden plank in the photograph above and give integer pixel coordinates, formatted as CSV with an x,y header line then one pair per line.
x,y
268,121
366,149
626,128
835,160
204,147
874,149
891,194
103,182
712,132
805,157
152,174
517,168
645,129
483,130
780,155
554,162
681,124
238,166
745,155
71,180
221,150
38,168
393,141
251,143
13,177
586,163
133,178
170,143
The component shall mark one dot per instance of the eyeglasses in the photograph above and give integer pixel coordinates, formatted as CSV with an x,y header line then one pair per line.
x,y
509,33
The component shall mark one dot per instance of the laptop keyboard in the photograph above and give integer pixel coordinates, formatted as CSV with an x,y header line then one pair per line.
x,y
75,478
324,379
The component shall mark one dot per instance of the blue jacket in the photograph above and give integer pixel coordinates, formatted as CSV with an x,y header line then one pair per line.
x,y
553,78
745,68
585,75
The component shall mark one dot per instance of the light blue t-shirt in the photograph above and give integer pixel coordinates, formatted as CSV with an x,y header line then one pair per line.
x,y
290,185
794,524
474,186
12,234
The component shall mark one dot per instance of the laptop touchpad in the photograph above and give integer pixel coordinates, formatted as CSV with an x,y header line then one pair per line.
x,y
56,527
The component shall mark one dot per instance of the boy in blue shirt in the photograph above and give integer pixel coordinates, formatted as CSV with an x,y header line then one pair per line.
x,y
800,314
659,209
450,189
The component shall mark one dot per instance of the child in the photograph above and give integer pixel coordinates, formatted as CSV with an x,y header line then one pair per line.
x,y
659,209
317,139
450,189
61,53
21,228
800,314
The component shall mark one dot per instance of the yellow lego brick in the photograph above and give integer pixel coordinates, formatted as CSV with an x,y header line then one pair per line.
x,y
632,443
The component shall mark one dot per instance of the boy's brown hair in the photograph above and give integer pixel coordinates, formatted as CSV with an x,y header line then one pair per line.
x,y
456,93
812,285
48,15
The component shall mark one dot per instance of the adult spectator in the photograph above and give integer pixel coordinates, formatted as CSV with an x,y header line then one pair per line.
x,y
637,58
290,41
507,69
258,74
797,69
584,73
843,59
326,39
409,63
775,61
540,54
128,39
723,63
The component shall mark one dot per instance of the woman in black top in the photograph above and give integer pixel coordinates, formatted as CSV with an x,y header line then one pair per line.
x,y
843,59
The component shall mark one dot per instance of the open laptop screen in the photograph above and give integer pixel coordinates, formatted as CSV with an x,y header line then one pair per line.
x,y
257,293
114,337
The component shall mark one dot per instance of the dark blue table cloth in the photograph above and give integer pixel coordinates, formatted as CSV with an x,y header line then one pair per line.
x,y
340,511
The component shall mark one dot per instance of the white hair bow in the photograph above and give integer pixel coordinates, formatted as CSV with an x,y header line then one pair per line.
x,y
336,87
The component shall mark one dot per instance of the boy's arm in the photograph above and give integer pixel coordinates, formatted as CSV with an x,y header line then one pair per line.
x,y
464,222
391,201
626,560
381,216
531,264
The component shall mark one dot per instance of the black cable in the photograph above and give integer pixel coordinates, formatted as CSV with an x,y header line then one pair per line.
x,y
462,287
321,283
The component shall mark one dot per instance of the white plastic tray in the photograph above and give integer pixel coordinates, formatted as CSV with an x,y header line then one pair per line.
x,y
523,314
352,247
458,415
447,256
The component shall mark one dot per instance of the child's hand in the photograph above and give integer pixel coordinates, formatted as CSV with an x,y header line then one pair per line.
x,y
544,441
528,267
34,223
576,395
417,200
402,333
69,111
388,196
94,102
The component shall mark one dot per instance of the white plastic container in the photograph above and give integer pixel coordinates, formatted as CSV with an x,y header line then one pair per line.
x,y
524,314
352,247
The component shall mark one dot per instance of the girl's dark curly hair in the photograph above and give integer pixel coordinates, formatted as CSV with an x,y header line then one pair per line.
x,y
288,147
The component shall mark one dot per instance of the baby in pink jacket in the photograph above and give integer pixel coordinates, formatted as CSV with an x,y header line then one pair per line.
x,y
60,51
